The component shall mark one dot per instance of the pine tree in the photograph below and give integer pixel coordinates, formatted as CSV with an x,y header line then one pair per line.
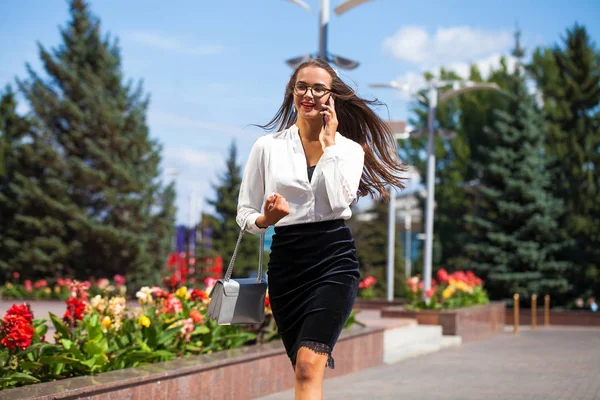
x,y
514,242
95,204
14,132
226,230
568,77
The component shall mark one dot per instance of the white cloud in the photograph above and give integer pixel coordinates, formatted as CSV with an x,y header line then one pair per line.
x,y
453,48
171,43
453,44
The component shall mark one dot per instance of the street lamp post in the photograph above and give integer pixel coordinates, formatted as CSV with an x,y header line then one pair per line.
x,y
391,253
434,98
324,13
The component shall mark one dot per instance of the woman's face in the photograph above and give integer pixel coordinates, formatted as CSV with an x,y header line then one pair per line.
x,y
311,90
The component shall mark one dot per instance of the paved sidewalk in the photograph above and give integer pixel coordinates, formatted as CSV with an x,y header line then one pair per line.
x,y
555,363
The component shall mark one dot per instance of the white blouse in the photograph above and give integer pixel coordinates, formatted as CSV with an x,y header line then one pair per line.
x,y
277,163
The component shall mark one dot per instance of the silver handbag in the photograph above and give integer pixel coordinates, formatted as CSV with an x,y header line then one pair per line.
x,y
239,301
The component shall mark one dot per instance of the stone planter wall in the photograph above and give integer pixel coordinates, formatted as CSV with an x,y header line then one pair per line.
x,y
376,304
565,317
471,323
244,373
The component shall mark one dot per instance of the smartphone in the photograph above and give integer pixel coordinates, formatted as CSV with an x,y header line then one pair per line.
x,y
323,117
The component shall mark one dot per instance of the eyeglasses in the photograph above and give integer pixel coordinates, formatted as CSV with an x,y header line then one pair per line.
x,y
317,91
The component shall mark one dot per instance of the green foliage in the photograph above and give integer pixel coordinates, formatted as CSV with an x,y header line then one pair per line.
x,y
568,77
514,243
85,197
225,227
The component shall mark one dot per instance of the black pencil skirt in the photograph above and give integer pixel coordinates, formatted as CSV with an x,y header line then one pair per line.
x,y
313,280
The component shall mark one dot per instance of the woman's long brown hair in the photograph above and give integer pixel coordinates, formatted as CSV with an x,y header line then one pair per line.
x,y
357,121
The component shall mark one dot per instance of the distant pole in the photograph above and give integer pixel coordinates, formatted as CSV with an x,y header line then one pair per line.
x,y
407,249
391,244
547,310
516,314
323,23
533,312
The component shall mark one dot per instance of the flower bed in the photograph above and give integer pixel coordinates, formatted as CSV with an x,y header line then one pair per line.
x,y
59,288
458,302
244,373
456,290
99,334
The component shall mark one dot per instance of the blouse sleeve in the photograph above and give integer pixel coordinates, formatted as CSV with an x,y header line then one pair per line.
x,y
252,190
342,172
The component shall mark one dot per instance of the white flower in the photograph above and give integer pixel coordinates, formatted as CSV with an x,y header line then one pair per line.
x,y
98,303
144,296
116,307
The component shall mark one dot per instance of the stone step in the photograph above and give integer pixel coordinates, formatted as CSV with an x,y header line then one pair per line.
x,y
373,318
410,341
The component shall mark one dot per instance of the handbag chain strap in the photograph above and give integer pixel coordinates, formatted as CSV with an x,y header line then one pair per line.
x,y
261,251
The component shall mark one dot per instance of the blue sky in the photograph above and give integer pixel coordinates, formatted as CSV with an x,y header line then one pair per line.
x,y
214,67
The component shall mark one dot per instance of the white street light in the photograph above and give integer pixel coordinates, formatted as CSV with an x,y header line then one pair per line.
x,y
348,5
302,4
324,11
433,97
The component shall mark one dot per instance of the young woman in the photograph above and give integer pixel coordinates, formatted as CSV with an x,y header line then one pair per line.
x,y
329,149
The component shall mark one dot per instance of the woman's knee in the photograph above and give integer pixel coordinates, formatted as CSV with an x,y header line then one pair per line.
x,y
309,365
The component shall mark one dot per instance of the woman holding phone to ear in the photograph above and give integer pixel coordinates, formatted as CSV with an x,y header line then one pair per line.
x,y
329,149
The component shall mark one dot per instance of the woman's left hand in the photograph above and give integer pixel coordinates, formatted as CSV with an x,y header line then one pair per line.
x,y
327,135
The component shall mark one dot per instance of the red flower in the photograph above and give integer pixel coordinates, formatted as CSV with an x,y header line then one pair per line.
x,y
28,287
430,292
40,284
16,275
17,332
196,317
22,310
267,300
75,309
460,276
198,294
473,279
442,275
367,282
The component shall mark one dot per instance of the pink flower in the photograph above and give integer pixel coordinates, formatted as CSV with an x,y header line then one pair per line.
x,y
186,330
158,293
103,283
209,283
28,286
430,292
119,280
172,305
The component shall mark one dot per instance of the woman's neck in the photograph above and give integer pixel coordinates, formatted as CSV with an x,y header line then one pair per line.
x,y
309,130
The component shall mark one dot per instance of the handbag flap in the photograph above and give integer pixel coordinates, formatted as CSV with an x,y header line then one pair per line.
x,y
231,287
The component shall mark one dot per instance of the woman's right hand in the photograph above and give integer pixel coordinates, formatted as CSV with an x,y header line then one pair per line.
x,y
276,207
